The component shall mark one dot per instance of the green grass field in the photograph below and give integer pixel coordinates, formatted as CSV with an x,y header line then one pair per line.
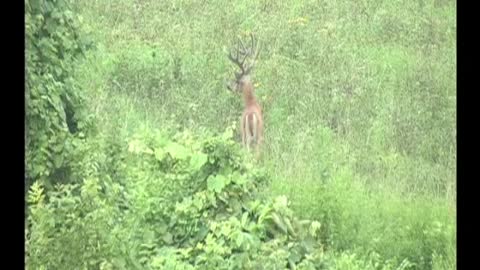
x,y
359,101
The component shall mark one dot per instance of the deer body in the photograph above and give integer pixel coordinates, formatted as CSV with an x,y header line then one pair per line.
x,y
252,119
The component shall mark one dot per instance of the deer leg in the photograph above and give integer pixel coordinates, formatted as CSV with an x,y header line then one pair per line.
x,y
242,130
258,137
246,133
255,130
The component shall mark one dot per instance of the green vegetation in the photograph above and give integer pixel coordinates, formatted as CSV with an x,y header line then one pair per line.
x,y
133,154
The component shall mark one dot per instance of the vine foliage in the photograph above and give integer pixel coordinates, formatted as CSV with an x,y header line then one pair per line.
x,y
56,120
187,202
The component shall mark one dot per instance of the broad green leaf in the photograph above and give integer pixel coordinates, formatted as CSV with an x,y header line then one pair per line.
x,y
202,232
226,230
289,226
244,220
238,179
58,160
137,146
198,202
239,239
216,183
168,238
281,202
159,153
148,236
177,151
197,161
314,227
280,223
265,213
119,263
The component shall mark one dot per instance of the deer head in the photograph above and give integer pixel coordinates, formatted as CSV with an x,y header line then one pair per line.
x,y
239,57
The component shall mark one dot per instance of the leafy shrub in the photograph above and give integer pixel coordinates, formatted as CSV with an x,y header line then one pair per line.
x,y
55,120
192,202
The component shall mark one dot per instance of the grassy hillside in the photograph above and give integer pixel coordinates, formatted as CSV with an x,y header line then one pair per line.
x,y
359,99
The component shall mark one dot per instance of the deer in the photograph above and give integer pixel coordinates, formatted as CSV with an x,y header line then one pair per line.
x,y
251,123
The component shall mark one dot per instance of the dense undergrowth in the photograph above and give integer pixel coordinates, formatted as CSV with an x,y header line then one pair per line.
x,y
133,152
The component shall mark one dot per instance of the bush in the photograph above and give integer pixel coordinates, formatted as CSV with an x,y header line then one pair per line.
x,y
56,121
192,202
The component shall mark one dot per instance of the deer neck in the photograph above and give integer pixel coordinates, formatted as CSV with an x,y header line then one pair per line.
x,y
248,96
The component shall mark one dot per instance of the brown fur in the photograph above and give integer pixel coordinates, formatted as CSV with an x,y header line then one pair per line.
x,y
252,118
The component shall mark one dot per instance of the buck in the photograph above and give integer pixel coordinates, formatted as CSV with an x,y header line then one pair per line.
x,y
251,123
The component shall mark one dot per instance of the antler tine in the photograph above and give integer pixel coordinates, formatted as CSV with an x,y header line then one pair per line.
x,y
255,51
236,60
229,87
243,49
252,38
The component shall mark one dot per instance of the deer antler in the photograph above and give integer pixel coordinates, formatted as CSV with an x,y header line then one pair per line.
x,y
236,59
241,50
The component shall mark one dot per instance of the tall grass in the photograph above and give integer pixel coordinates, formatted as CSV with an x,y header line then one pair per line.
x,y
359,100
